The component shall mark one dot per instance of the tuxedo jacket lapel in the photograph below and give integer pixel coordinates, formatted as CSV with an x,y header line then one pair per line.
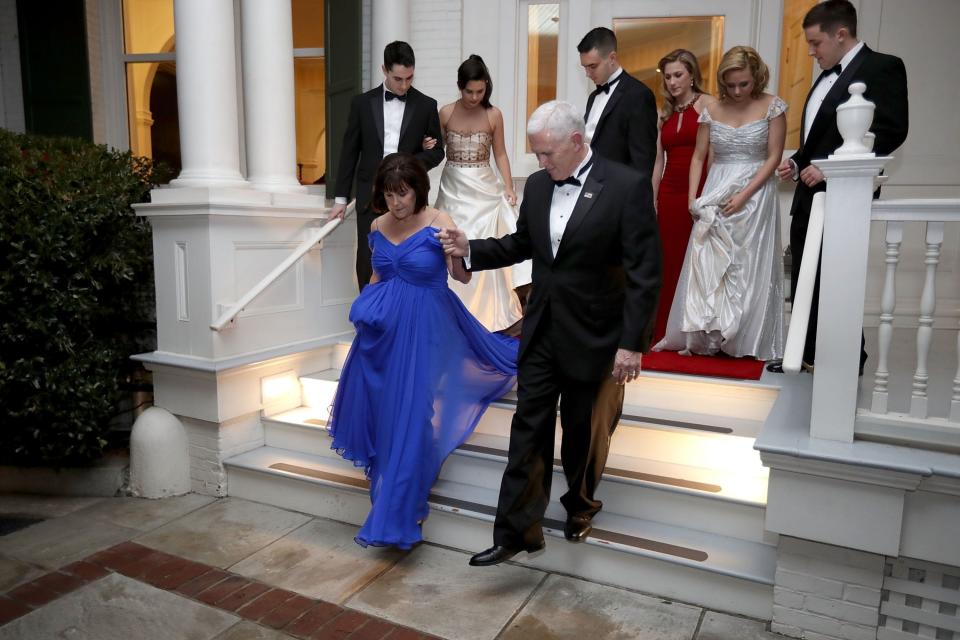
x,y
376,106
611,104
410,106
837,94
588,196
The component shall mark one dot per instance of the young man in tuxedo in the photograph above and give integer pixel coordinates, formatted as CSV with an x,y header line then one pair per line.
x,y
392,117
589,226
831,32
621,118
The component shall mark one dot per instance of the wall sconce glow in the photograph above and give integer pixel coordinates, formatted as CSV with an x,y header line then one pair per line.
x,y
279,392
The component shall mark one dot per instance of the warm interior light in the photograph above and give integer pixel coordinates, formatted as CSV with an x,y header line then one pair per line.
x,y
279,387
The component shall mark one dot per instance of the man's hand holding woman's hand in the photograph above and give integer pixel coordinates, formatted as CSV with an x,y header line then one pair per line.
x,y
454,242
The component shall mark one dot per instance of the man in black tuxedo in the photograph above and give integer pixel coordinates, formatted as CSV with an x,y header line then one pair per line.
x,y
831,32
589,226
392,117
621,118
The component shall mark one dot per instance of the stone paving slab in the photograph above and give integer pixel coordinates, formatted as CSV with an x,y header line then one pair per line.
x,y
319,560
59,541
142,514
118,608
720,626
14,572
224,532
566,608
436,591
249,631
43,506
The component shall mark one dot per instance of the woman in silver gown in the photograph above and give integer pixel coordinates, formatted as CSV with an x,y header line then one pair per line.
x,y
730,295
479,203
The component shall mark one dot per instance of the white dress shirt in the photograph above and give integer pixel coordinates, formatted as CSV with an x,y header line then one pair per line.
x,y
392,119
819,93
600,103
564,199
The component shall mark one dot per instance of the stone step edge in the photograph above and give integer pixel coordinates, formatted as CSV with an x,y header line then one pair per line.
x,y
621,476
624,543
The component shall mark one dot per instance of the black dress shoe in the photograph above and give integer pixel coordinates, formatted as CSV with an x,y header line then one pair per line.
x,y
497,554
775,366
578,528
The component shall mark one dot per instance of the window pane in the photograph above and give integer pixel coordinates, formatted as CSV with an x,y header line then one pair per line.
x,y
309,76
148,26
307,24
152,111
543,28
641,42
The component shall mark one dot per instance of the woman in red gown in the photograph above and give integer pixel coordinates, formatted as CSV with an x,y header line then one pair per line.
x,y
684,99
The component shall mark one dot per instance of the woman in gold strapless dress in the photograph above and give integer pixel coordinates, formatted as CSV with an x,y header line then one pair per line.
x,y
478,202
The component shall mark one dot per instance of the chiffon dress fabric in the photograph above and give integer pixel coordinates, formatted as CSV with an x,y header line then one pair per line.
x,y
730,294
678,136
475,199
420,373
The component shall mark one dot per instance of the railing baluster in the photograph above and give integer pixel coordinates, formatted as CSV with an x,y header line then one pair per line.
x,y
888,303
955,398
928,304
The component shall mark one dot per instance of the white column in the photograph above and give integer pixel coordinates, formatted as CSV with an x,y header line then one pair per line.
x,y
843,280
391,21
268,95
207,94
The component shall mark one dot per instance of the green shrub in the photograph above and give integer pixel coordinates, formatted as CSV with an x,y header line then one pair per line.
x,y
76,293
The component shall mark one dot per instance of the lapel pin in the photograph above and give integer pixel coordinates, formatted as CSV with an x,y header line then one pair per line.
x,y
588,194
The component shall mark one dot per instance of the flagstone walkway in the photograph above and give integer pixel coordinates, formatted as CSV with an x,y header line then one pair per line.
x,y
198,568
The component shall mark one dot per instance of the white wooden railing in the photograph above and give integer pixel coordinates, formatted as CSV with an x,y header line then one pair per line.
x,y
917,425
315,236
803,294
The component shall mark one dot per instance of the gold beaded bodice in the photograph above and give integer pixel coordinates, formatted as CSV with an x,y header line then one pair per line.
x,y
468,150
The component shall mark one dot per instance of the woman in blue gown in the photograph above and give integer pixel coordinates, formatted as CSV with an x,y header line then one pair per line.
x,y
421,370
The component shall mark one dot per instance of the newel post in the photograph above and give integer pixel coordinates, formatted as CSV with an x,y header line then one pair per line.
x,y
850,174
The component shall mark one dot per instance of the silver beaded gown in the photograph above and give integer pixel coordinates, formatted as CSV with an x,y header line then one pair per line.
x,y
730,295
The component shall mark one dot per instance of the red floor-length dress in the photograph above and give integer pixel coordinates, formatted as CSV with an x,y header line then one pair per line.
x,y
673,216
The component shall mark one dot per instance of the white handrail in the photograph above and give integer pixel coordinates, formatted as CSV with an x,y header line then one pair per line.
x,y
803,296
315,236
917,210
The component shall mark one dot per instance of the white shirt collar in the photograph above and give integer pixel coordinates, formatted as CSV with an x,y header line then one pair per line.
x,y
615,77
583,163
850,55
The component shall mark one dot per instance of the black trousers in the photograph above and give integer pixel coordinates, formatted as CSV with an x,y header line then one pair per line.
x,y
589,412
798,237
364,267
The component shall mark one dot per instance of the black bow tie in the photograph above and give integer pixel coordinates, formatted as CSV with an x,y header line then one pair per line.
x,y
389,95
837,69
602,88
574,181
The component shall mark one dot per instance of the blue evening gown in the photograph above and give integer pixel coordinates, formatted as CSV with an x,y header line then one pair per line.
x,y
420,373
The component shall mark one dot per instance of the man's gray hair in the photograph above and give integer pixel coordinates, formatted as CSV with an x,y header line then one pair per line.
x,y
557,117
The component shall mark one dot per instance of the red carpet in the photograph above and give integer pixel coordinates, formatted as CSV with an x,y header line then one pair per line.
x,y
721,366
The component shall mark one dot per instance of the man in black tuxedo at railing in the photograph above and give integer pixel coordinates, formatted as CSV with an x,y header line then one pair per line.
x,y
392,117
621,117
589,226
831,32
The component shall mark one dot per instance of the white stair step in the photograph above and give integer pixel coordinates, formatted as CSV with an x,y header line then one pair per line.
x,y
717,571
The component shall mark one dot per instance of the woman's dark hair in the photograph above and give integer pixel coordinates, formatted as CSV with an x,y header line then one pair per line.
x,y
397,173
471,69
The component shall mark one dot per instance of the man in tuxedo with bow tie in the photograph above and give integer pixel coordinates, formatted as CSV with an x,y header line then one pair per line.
x,y
831,32
589,226
621,118
392,117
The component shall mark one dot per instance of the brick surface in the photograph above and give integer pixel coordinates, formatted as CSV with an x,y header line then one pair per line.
x,y
86,571
222,589
202,582
187,572
402,633
311,621
243,595
11,609
44,589
374,629
287,612
265,604
152,564
341,626
120,554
